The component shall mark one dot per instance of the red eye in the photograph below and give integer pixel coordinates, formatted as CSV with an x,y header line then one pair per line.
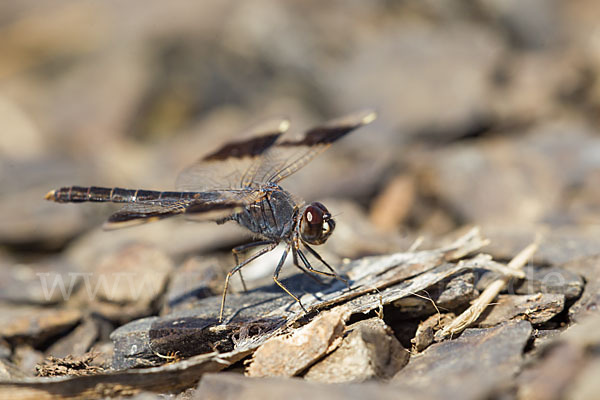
x,y
313,215
316,225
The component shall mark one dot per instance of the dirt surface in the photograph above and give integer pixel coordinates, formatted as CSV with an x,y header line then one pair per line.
x,y
487,117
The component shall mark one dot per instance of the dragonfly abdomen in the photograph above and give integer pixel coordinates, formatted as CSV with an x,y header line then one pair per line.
x,y
78,194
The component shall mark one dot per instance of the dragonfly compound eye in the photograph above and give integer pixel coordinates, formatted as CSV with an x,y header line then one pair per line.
x,y
316,224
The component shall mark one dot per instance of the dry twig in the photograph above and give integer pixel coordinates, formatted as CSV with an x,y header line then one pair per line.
x,y
471,314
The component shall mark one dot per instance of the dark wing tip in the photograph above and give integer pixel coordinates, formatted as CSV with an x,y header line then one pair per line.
x,y
334,129
245,148
262,137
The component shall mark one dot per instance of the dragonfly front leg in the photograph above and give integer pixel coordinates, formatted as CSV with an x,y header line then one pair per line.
x,y
276,277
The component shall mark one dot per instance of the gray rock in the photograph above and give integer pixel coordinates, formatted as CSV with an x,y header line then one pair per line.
x,y
473,366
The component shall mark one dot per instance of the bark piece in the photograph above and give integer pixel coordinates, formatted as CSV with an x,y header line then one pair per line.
x,y
288,355
449,294
369,350
535,308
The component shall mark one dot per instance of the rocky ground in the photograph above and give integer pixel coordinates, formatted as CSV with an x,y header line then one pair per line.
x,y
488,118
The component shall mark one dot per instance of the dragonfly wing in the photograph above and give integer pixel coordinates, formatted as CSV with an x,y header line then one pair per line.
x,y
229,166
288,156
206,206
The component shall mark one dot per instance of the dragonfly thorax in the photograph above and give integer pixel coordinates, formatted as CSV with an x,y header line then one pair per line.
x,y
272,218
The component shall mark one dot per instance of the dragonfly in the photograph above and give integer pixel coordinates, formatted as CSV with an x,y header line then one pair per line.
x,y
240,182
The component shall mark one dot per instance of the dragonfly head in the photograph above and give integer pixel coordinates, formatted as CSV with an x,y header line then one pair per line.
x,y
316,224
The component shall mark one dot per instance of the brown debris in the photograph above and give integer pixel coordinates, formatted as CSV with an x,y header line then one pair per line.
x,y
69,365
424,336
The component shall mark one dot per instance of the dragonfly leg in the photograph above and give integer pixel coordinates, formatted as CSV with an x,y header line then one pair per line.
x,y
271,246
301,268
318,257
239,249
276,277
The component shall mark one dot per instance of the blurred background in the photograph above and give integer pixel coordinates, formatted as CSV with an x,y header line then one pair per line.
x,y
488,114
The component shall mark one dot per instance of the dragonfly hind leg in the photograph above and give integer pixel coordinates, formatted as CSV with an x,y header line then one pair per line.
x,y
239,266
239,249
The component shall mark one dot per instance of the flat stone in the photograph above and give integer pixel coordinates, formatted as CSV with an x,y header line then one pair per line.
x,y
368,350
472,366
172,237
288,355
35,325
549,280
136,273
77,342
125,284
535,308
461,55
